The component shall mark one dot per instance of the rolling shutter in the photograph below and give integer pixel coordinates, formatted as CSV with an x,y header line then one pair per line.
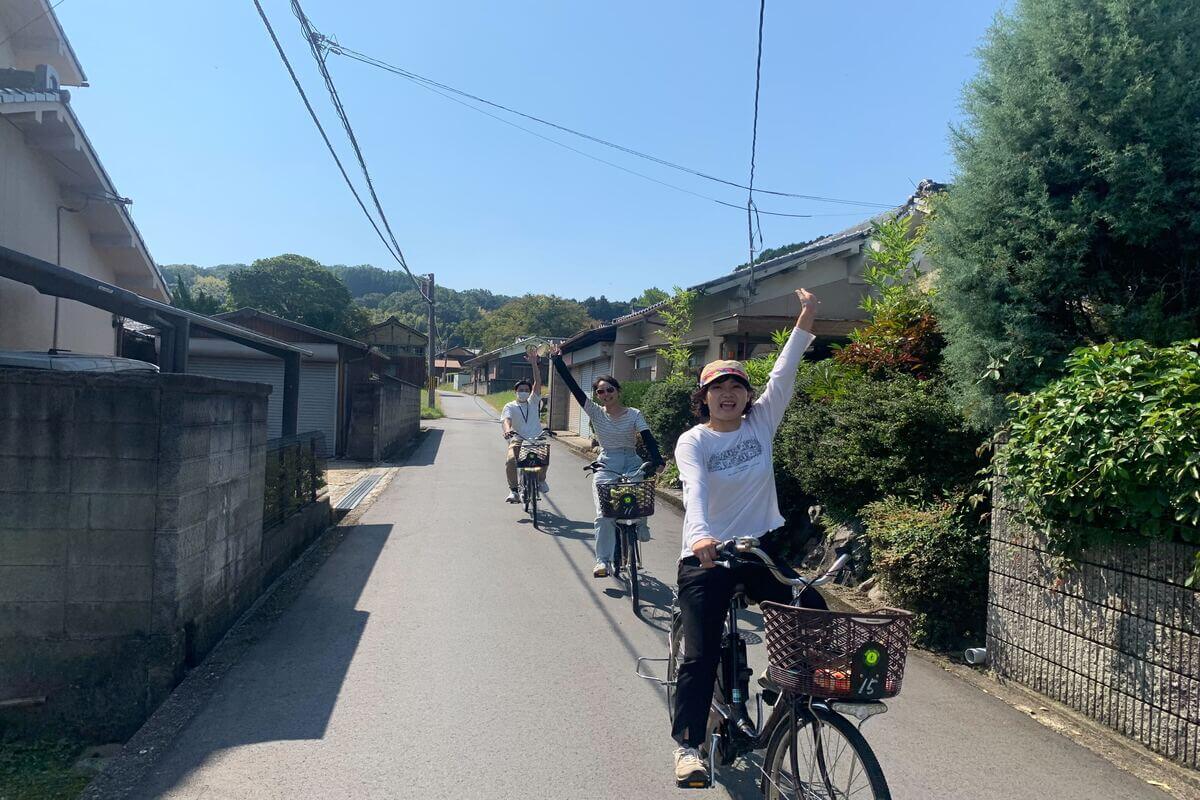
x,y
318,391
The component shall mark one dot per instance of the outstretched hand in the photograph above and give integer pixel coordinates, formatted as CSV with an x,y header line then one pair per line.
x,y
808,309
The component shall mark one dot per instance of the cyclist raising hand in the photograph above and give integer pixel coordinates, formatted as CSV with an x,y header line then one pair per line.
x,y
725,465
521,420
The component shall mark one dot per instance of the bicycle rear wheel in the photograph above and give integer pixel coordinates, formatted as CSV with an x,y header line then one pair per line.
x,y
830,753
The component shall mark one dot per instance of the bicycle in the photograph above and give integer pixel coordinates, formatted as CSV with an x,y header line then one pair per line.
x,y
628,502
532,458
824,668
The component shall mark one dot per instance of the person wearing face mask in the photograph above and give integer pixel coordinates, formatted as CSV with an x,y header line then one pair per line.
x,y
617,428
725,466
521,419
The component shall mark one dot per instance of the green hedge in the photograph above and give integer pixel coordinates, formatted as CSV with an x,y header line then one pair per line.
x,y
668,410
873,438
1110,452
633,393
933,562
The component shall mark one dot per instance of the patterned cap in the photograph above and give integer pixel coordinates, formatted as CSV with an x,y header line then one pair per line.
x,y
715,370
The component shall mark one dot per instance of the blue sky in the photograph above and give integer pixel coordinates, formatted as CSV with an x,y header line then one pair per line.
x,y
197,121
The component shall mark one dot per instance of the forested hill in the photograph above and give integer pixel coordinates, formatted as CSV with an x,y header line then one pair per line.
x,y
471,317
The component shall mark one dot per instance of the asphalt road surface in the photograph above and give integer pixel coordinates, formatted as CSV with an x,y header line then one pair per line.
x,y
447,649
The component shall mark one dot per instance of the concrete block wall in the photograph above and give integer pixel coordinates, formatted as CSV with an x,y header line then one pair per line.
x,y
1118,639
130,537
383,416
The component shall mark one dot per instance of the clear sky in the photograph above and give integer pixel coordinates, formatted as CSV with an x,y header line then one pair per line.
x,y
196,120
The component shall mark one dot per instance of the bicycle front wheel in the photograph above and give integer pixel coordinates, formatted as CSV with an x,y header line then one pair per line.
x,y
631,560
828,759
532,492
674,659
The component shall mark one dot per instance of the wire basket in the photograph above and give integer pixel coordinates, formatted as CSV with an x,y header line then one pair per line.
x,y
533,455
633,500
837,655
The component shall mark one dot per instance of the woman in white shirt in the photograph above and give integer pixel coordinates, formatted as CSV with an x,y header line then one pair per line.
x,y
725,465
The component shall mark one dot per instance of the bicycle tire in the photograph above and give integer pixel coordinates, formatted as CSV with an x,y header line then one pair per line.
x,y
674,659
631,563
777,761
531,494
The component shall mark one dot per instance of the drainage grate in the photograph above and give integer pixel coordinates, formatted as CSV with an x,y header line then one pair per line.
x,y
360,490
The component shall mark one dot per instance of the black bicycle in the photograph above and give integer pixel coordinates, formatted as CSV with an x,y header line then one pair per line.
x,y
627,502
532,457
825,668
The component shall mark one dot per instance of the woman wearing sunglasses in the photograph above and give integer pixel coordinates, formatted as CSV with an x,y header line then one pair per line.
x,y
617,428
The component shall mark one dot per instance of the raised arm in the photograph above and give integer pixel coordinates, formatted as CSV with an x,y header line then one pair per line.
x,y
564,373
536,389
782,383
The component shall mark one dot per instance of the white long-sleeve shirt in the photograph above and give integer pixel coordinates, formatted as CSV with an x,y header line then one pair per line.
x,y
729,478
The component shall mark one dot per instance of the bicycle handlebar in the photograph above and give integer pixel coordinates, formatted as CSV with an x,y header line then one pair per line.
x,y
646,470
744,545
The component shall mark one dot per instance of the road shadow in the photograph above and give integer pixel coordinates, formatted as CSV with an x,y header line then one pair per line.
x,y
285,681
559,525
427,451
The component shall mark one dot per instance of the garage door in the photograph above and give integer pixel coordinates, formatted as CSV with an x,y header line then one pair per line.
x,y
318,391
587,374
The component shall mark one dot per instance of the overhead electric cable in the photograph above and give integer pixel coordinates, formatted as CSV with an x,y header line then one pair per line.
x,y
340,49
750,208
30,22
328,144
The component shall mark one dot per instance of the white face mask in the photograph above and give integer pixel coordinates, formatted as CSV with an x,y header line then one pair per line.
x,y
522,397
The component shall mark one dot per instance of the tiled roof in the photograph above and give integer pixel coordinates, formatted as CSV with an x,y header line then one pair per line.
x,y
28,96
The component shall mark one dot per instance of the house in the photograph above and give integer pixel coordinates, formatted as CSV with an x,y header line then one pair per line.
x,y
325,377
404,345
57,202
449,362
499,369
735,314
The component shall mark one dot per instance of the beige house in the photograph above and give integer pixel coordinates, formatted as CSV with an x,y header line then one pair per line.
x,y
735,314
57,203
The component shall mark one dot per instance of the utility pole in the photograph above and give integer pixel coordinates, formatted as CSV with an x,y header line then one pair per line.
x,y
432,382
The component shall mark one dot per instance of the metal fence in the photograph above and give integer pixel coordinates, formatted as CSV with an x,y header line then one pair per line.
x,y
295,475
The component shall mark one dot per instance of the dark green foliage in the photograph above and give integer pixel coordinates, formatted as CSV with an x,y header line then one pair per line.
x,y
199,302
874,439
933,562
605,310
1111,451
667,406
1075,214
633,393
298,289
39,770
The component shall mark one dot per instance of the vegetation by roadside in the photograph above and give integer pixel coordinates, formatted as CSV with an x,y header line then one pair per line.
x,y
431,413
40,770
499,399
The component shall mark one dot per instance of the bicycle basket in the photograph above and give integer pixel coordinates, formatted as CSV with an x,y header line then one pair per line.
x,y
626,500
533,454
832,654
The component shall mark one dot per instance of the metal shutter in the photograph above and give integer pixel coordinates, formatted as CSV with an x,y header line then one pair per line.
x,y
587,374
318,391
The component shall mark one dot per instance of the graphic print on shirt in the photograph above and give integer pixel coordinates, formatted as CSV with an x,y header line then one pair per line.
x,y
737,458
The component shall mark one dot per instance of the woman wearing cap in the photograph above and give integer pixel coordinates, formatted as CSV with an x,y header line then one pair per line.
x,y
725,465
617,428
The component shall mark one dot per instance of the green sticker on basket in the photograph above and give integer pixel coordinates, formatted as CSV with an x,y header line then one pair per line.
x,y
868,673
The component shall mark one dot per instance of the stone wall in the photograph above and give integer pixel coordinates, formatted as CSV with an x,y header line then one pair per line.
x,y
130,539
1117,639
384,414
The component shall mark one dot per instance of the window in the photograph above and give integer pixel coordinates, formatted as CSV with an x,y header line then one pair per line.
x,y
696,359
645,362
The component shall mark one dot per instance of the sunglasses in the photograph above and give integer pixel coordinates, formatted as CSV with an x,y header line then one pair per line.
x,y
609,390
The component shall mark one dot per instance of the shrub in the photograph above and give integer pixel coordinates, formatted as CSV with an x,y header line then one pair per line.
x,y
1110,452
667,406
932,562
633,393
874,439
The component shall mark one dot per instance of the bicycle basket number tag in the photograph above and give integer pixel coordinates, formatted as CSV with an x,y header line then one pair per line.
x,y
868,675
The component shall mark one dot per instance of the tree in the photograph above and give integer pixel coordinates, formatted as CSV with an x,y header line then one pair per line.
x,y
200,302
603,309
678,315
537,314
298,289
1074,215
649,297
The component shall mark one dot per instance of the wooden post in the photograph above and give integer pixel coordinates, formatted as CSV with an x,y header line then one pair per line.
x,y
183,332
291,393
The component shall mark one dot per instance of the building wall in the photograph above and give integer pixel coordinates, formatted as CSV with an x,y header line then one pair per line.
x,y
1117,639
384,416
132,538
394,340
29,197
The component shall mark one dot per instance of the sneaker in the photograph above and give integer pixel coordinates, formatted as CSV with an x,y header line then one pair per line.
x,y
690,770
513,497
543,487
600,570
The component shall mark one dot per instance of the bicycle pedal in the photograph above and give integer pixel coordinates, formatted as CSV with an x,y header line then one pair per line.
x,y
694,783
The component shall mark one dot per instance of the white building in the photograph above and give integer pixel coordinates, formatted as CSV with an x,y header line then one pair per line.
x,y
56,201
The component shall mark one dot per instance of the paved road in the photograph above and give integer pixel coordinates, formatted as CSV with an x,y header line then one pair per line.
x,y
449,650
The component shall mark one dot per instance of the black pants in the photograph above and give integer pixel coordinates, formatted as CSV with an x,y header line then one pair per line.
x,y
704,596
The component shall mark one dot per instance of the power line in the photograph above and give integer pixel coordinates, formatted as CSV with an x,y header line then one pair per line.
x,y
314,40
328,144
335,47
30,22
750,209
